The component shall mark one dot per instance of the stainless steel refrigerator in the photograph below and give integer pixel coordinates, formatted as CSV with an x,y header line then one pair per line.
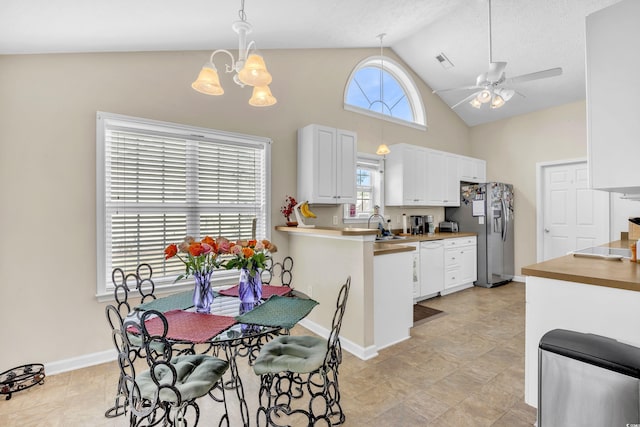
x,y
487,209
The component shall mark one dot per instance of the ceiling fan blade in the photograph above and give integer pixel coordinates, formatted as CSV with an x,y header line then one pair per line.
x,y
495,71
552,72
457,88
468,98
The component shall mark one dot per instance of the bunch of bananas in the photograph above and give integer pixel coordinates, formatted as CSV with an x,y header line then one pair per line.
x,y
304,209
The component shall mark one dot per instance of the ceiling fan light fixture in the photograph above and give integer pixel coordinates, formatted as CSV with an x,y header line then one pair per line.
x,y
475,103
484,96
497,101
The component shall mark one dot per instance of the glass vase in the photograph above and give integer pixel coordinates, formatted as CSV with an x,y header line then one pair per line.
x,y
202,292
250,292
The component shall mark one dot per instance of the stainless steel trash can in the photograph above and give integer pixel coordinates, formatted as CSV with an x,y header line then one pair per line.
x,y
587,380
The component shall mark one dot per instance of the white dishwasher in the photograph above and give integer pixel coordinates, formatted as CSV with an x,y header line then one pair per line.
x,y
431,268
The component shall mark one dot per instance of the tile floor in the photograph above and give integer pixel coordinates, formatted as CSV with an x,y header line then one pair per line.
x,y
464,368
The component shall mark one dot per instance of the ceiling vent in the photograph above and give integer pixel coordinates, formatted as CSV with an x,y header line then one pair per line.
x,y
444,61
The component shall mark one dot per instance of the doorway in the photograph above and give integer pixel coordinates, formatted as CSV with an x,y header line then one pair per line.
x,y
570,215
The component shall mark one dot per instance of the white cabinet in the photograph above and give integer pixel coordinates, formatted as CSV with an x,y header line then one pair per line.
x,y
326,165
472,170
460,263
392,302
417,176
432,269
443,183
613,61
405,169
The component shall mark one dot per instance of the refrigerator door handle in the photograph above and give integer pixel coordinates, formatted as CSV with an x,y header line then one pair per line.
x,y
505,221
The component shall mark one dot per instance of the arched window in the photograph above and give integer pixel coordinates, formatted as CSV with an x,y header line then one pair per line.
x,y
380,87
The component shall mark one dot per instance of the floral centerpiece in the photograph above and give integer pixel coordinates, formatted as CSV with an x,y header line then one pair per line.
x,y
248,256
200,259
287,209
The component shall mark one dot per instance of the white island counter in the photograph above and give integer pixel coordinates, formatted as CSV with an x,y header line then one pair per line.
x,y
579,294
380,306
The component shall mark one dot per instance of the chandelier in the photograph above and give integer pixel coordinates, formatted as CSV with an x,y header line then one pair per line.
x,y
249,69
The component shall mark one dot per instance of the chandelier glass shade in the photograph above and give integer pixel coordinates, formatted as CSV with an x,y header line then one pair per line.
x,y
250,68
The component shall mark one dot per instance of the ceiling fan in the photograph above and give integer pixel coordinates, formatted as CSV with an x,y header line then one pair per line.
x,y
493,85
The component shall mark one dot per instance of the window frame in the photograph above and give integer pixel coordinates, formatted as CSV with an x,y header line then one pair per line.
x,y
106,122
377,162
404,80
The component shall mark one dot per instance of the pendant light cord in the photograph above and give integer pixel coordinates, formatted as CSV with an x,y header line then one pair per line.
x,y
381,36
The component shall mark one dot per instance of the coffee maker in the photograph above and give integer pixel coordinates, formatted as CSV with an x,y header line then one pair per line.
x,y
417,224
428,224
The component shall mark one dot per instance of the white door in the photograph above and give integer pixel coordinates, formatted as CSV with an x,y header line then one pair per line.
x,y
574,216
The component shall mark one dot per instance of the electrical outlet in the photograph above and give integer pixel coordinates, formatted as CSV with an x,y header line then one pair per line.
x,y
398,219
335,220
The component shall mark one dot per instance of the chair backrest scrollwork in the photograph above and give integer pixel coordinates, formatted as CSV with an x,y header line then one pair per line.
x,y
334,350
283,270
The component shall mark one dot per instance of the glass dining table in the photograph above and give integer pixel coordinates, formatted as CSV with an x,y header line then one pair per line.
x,y
226,331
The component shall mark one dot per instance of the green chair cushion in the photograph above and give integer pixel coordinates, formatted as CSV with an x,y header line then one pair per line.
x,y
196,376
300,354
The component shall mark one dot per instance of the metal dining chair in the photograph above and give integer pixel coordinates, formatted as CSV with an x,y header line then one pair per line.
x,y
166,393
123,285
292,366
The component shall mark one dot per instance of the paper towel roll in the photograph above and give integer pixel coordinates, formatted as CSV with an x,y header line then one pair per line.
x,y
404,223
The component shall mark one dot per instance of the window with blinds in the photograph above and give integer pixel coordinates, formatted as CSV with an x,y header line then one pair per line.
x,y
159,182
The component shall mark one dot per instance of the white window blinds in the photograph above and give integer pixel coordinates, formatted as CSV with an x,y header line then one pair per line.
x,y
159,182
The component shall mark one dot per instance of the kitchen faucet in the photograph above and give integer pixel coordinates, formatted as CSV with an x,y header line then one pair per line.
x,y
376,214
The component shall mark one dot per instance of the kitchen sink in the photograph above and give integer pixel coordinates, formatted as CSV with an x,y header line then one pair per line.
x,y
386,238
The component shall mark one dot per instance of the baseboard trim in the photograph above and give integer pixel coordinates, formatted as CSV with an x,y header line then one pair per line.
x,y
79,362
86,360
364,353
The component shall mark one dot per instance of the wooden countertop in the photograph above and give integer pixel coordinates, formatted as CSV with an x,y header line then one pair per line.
x,y
621,274
329,231
381,247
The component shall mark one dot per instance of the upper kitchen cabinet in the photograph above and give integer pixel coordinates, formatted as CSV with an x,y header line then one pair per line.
x,y
326,165
405,176
613,111
443,182
472,170
418,176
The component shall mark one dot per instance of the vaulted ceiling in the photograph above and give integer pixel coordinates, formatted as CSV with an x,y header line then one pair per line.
x,y
528,35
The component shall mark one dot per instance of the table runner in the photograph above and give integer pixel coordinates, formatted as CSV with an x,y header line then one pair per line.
x,y
190,326
267,291
179,301
279,311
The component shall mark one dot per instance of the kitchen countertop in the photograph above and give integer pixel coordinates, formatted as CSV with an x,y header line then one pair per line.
x,y
621,274
383,247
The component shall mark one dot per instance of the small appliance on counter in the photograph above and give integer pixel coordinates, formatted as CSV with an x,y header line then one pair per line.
x,y
429,225
417,224
448,227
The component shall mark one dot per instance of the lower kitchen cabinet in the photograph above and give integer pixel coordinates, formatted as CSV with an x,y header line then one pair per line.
x,y
444,266
460,263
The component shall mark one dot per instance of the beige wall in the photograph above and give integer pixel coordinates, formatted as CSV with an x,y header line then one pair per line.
x,y
512,147
48,104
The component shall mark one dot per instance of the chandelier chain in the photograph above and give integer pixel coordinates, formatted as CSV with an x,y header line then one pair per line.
x,y
241,14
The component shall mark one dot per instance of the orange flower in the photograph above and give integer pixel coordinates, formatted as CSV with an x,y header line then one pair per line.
x,y
247,252
170,251
209,241
196,249
252,243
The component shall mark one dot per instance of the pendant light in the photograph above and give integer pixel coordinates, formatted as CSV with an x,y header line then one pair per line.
x,y
250,68
383,149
